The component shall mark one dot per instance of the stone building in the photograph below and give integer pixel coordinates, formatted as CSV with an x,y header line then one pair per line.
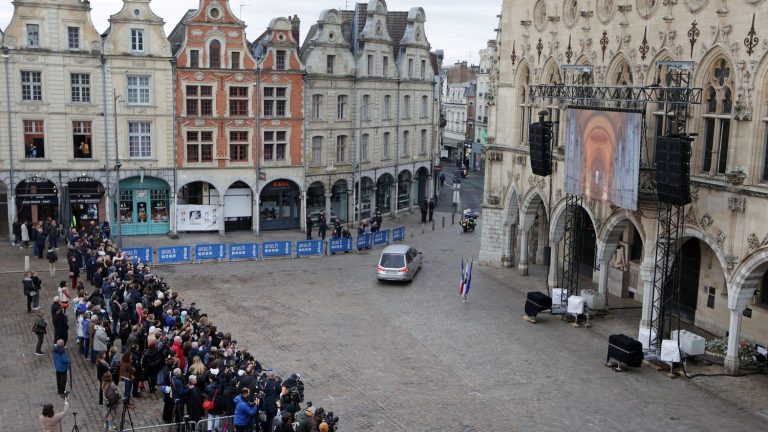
x,y
370,102
216,139
459,88
139,86
723,255
55,143
487,58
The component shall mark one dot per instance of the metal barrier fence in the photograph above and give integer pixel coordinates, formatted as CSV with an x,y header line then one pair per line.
x,y
212,424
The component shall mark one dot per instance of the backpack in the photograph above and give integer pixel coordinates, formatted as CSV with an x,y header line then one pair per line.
x,y
112,397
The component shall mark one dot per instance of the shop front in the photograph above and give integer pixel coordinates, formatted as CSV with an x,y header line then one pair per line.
x,y
86,202
144,206
37,199
340,201
366,195
404,190
316,200
384,193
279,206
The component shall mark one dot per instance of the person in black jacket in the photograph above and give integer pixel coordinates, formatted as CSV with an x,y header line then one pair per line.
x,y
309,227
322,226
60,326
269,401
424,207
194,400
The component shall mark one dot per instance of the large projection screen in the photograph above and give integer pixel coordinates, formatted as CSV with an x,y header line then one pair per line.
x,y
603,155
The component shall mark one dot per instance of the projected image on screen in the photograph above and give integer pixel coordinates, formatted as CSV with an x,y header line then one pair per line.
x,y
603,155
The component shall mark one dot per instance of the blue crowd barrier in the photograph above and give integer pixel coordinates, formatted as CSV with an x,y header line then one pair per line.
x,y
210,251
364,241
244,251
338,245
398,234
140,254
309,248
276,249
381,237
173,254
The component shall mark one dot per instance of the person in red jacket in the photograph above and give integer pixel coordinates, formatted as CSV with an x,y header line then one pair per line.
x,y
176,347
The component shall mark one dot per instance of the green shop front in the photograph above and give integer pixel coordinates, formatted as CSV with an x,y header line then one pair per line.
x,y
145,206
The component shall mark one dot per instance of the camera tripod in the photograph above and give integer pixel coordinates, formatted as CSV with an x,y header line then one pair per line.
x,y
126,409
75,428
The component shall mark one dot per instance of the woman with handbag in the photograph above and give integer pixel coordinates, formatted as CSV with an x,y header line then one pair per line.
x,y
64,296
213,404
39,328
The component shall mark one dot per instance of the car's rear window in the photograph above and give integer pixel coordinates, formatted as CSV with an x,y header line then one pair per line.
x,y
392,260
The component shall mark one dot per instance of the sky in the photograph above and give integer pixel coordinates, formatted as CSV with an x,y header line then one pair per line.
x,y
454,26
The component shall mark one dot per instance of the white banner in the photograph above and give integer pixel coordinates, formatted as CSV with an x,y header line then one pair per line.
x,y
197,217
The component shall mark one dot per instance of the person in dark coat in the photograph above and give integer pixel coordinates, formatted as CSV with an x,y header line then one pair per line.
x,y
60,326
322,226
431,207
269,401
194,400
424,207
40,242
16,228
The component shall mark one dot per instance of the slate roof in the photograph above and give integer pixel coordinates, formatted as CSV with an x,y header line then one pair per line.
x,y
176,38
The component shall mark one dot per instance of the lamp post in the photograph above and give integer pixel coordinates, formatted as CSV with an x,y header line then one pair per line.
x,y
359,165
118,165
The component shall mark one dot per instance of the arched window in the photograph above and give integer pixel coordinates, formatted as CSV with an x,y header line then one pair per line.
x,y
553,77
214,55
624,75
718,105
524,104
663,113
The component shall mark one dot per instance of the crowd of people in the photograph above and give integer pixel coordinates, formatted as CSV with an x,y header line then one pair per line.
x,y
143,340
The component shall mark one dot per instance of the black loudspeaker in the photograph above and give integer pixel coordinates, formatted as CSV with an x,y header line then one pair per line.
x,y
540,136
673,169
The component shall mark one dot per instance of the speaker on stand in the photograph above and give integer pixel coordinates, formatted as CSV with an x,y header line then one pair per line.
x,y
673,169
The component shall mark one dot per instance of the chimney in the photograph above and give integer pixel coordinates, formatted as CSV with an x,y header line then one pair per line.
x,y
295,28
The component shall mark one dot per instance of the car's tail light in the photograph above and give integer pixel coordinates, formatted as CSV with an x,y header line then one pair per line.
x,y
380,268
403,270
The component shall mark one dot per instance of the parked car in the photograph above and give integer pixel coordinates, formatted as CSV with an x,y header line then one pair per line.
x,y
399,263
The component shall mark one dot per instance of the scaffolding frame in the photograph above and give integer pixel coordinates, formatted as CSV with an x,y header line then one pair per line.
x,y
672,89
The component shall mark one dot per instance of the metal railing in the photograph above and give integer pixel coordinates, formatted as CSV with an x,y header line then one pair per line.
x,y
212,424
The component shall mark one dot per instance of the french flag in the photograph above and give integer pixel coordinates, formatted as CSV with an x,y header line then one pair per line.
x,y
466,278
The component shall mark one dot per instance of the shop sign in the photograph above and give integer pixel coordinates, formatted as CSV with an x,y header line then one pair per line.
x,y
243,251
279,186
210,251
92,198
46,199
309,248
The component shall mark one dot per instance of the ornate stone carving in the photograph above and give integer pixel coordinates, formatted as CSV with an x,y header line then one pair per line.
x,y
694,6
239,122
646,8
720,239
604,43
605,10
233,34
690,217
197,32
559,194
199,76
644,44
540,15
737,203
694,193
752,243
706,221
570,13
239,77
751,40
199,122
765,240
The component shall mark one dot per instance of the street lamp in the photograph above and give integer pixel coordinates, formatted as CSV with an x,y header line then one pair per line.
x,y
118,165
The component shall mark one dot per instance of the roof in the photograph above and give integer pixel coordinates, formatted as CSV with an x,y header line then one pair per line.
x,y
398,248
176,38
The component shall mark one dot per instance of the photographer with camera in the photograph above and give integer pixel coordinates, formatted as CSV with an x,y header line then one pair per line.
x,y
52,422
245,410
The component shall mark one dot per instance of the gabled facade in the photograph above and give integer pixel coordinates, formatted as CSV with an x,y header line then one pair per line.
x,y
54,137
370,111
280,122
487,58
216,130
139,86
459,88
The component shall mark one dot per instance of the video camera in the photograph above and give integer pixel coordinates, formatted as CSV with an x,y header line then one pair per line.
x,y
331,420
295,387
65,394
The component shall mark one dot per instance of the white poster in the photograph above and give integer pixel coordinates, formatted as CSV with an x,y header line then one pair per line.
x,y
197,217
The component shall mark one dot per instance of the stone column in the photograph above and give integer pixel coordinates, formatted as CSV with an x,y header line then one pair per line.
x,y
303,217
256,216
542,240
522,261
646,273
602,284
430,186
731,363
328,208
10,191
393,199
552,276
373,201
351,200
220,204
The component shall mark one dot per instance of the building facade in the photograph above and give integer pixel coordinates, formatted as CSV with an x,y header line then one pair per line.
x,y
487,58
280,123
55,147
459,88
216,139
138,93
722,257
371,120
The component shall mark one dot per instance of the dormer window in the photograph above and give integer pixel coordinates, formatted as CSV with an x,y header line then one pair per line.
x,y
73,38
137,40
33,35
280,60
330,60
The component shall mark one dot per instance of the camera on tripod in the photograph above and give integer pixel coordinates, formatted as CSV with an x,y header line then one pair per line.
x,y
331,420
295,389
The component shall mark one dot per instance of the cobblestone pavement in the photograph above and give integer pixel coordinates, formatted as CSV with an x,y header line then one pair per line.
x,y
391,357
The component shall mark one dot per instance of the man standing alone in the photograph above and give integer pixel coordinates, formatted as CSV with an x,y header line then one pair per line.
x,y
61,363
